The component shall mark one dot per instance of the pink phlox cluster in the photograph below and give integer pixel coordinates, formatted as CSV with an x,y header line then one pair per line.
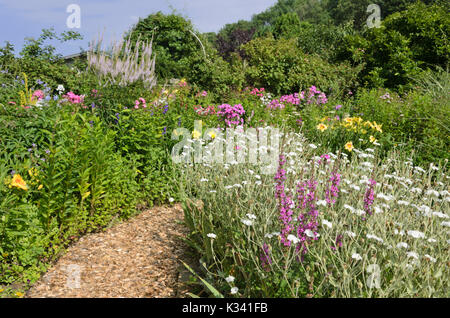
x,y
140,102
74,98
231,115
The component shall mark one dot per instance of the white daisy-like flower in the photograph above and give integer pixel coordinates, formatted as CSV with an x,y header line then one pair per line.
x,y
313,146
416,234
247,222
349,207
440,215
203,180
212,191
374,237
356,256
351,234
171,200
377,209
445,223
310,233
327,223
293,239
251,216
322,202
432,259
234,290
412,255
230,279
432,192
397,232
402,244
258,182
401,202
211,235
416,190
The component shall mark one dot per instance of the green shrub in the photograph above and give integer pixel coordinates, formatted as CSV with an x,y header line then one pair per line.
x,y
280,67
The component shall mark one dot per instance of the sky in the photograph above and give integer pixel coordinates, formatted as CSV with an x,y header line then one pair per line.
x,y
20,19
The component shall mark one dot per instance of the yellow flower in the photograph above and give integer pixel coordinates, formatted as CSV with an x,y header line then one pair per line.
x,y
372,139
212,134
40,187
1,290
378,127
349,146
322,127
357,120
18,182
196,134
19,294
348,120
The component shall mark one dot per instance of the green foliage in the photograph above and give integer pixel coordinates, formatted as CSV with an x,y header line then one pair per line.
x,y
406,43
280,67
40,62
286,26
173,43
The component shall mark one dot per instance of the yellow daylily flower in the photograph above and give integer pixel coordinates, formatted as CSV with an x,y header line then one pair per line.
x,y
18,182
349,146
322,127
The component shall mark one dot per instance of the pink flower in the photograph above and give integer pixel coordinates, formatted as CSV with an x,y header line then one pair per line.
x,y
38,95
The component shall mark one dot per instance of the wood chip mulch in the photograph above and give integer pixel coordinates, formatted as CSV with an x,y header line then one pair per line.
x,y
134,259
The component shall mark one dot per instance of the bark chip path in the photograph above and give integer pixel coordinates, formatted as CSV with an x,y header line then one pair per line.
x,y
136,258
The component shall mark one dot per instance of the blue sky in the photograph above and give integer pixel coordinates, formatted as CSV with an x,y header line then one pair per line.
x,y
26,18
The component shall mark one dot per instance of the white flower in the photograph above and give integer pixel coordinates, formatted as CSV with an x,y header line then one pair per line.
x,y
171,200
401,202
251,216
212,191
416,234
413,255
352,209
401,233
234,290
432,259
313,146
402,244
371,236
204,180
432,192
351,234
377,209
247,222
293,239
444,223
258,182
211,235
230,279
310,233
440,215
356,256
60,89
258,176
322,202
327,223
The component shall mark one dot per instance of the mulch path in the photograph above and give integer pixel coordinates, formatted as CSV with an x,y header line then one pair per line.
x,y
137,258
